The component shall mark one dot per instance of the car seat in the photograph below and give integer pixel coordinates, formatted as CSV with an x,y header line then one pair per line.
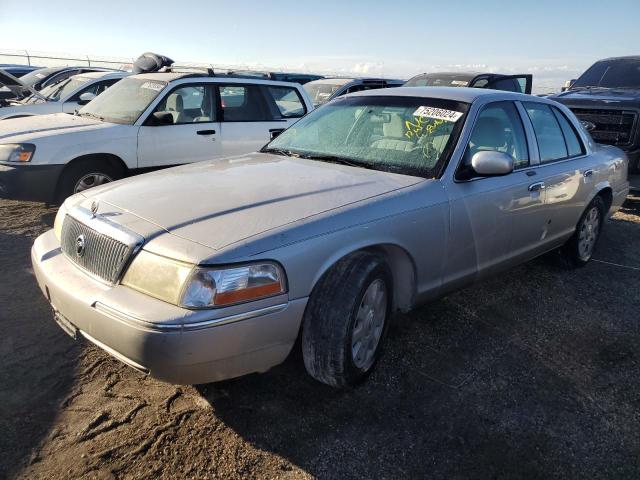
x,y
394,138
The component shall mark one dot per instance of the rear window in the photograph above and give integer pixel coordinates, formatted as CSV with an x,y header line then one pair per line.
x,y
549,135
287,101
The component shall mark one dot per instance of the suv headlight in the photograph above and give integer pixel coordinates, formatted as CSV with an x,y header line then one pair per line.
x,y
17,152
190,286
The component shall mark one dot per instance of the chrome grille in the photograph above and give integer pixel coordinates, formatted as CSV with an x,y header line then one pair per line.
x,y
101,255
613,127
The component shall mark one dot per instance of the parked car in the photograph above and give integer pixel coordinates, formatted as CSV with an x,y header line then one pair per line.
x,y
511,83
38,79
17,70
322,91
376,202
65,96
606,98
144,122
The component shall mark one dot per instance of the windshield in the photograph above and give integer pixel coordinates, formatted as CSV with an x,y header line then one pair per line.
x,y
125,101
413,136
620,73
64,88
321,91
31,78
439,80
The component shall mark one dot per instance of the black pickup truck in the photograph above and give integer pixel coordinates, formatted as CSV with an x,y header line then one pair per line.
x,y
606,98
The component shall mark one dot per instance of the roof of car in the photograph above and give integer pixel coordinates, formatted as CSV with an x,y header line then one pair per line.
x,y
108,74
458,94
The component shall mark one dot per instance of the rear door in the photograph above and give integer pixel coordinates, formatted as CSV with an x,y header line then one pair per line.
x,y
252,114
511,83
192,136
567,175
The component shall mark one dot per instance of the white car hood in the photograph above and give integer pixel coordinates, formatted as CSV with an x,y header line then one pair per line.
x,y
45,124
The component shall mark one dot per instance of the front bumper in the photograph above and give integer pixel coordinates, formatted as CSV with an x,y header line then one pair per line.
x,y
170,343
29,182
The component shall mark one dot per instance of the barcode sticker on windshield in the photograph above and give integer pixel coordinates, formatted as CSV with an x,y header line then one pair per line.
x,y
438,114
460,83
153,86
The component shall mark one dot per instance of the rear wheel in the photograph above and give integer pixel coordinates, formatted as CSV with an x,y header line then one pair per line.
x,y
84,175
580,247
346,320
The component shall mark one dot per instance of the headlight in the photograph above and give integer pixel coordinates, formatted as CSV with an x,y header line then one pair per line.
x,y
157,276
218,287
57,224
199,287
17,152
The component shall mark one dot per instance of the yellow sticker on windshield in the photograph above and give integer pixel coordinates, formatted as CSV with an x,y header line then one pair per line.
x,y
438,114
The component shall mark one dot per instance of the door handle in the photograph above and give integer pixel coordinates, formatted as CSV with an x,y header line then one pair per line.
x,y
587,173
206,132
536,187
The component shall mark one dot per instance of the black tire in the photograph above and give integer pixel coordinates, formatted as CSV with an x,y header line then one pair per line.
x,y
571,253
331,315
74,173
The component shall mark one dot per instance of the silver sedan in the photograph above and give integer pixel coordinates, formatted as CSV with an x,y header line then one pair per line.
x,y
377,202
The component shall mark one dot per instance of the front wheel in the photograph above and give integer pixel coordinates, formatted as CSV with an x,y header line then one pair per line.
x,y
85,175
580,247
346,320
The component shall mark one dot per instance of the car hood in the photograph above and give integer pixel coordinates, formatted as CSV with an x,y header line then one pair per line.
x,y
19,89
222,202
606,96
45,124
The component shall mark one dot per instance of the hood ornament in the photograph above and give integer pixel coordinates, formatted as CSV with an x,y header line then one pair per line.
x,y
94,208
80,246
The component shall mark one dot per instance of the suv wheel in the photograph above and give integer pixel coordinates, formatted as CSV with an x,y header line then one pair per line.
x,y
346,320
84,175
579,248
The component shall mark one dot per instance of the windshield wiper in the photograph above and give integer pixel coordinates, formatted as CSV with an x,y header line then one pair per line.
x,y
281,151
91,115
336,159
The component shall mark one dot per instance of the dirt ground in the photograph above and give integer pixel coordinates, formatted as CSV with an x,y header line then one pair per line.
x,y
533,374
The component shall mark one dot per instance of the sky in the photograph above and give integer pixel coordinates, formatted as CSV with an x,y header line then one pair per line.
x,y
555,40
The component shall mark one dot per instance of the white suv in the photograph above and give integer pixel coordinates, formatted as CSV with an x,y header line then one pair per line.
x,y
143,122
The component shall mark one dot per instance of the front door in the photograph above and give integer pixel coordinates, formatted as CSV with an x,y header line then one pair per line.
x,y
192,135
494,220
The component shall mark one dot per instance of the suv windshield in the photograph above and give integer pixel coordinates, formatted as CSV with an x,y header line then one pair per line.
x,y
321,91
413,136
618,73
439,80
61,89
125,101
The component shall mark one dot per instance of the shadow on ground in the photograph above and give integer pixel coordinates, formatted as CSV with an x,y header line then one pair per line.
x,y
531,375
37,363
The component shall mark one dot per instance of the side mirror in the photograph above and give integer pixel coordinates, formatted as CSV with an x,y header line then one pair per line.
x,y
86,97
158,119
492,163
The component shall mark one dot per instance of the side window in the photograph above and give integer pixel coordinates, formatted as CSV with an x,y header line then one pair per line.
x,y
574,144
481,83
498,128
189,104
243,103
551,142
288,101
96,88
